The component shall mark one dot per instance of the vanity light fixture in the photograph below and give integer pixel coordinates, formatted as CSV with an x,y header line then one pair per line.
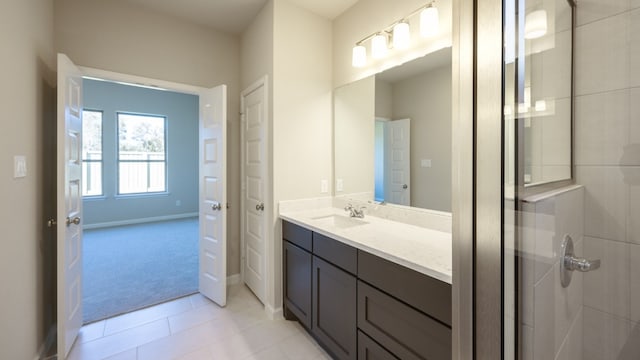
x,y
359,57
400,34
535,24
379,45
429,21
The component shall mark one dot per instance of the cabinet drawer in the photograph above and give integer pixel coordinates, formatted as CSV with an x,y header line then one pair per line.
x,y
429,295
404,331
297,282
371,350
335,252
297,235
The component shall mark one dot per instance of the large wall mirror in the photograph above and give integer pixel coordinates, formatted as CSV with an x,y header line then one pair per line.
x,y
393,135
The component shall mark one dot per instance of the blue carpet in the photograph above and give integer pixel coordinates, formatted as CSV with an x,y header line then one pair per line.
x,y
130,267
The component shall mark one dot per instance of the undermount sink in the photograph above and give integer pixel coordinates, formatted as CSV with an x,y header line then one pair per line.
x,y
339,221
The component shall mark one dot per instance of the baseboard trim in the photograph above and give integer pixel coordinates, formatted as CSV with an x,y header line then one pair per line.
x,y
274,313
138,221
234,279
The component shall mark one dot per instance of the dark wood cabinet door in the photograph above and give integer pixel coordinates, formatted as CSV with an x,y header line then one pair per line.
x,y
371,350
334,309
297,283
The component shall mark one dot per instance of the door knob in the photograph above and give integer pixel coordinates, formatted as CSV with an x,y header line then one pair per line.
x,y
569,263
260,207
216,206
405,186
52,222
75,220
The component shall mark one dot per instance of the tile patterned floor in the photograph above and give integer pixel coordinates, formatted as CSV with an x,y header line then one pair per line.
x,y
194,328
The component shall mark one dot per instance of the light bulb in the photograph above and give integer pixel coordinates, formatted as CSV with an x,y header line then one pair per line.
x,y
401,35
429,21
535,24
379,46
359,56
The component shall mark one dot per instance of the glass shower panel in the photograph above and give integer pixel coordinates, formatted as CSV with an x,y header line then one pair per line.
x,y
541,206
597,314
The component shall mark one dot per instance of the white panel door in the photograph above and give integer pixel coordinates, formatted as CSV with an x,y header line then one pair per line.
x,y
69,212
213,195
254,176
397,167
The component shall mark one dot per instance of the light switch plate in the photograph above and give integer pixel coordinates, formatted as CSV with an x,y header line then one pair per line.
x,y
339,185
19,166
426,163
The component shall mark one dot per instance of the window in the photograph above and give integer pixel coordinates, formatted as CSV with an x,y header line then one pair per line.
x,y
141,154
91,153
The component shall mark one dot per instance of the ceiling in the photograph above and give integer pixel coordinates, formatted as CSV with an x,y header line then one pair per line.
x,y
233,16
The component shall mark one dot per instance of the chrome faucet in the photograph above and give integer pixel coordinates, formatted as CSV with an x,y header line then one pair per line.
x,y
355,212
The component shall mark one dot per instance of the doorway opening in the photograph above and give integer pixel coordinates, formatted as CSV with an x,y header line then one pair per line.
x,y
140,197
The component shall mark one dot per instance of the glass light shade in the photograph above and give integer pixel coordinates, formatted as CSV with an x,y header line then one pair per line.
x,y
359,56
535,24
379,46
429,22
401,35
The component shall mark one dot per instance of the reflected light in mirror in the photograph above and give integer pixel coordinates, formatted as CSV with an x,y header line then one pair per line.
x,y
541,105
429,22
379,46
401,35
359,56
535,24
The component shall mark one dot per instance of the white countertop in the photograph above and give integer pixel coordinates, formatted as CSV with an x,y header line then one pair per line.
x,y
424,250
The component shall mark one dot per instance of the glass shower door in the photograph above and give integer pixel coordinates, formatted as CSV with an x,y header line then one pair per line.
x,y
571,180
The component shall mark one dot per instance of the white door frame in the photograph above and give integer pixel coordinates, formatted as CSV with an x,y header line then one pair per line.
x,y
268,206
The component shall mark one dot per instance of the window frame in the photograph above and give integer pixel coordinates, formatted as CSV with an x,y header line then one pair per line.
x,y
101,161
165,192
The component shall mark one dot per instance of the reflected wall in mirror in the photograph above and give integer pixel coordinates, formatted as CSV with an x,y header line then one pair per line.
x,y
393,135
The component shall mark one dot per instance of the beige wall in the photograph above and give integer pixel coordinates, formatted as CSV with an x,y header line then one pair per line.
x,y
426,100
369,16
384,106
302,130
27,107
126,38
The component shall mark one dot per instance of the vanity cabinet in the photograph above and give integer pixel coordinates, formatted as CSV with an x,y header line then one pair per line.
x,y
297,279
360,306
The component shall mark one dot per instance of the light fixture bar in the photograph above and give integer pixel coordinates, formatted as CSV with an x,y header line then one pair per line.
x,y
399,32
388,28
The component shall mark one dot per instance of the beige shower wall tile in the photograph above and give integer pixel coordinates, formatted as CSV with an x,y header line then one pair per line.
x,y
606,201
607,288
602,55
572,347
631,176
601,127
634,46
634,282
604,335
593,10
